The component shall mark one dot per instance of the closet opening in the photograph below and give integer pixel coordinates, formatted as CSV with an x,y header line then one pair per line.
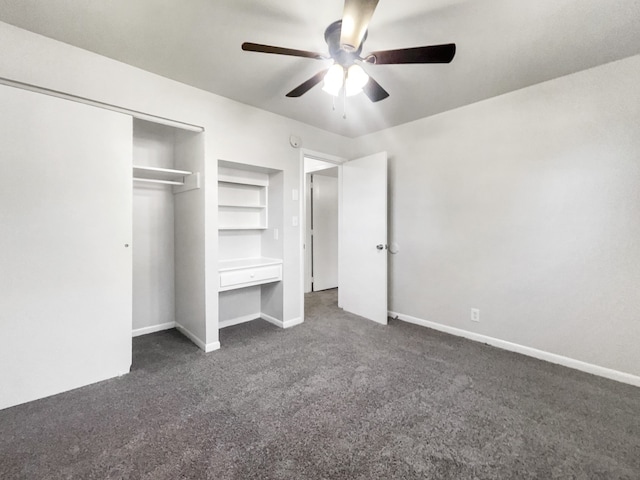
x,y
168,225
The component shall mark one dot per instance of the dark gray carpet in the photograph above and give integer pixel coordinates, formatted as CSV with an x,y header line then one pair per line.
x,y
338,397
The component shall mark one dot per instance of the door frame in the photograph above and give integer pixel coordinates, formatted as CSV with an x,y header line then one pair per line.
x,y
302,212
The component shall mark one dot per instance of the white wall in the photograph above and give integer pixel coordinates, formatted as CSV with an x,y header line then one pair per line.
x,y
233,131
526,206
191,246
271,294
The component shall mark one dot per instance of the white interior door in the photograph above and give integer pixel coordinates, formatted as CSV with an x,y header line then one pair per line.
x,y
65,272
363,238
324,219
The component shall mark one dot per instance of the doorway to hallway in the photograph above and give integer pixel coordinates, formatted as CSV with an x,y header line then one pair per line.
x,y
362,233
322,229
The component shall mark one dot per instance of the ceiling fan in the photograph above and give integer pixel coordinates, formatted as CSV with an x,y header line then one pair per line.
x,y
345,38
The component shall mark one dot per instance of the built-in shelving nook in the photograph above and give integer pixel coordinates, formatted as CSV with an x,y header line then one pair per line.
x,y
168,230
250,220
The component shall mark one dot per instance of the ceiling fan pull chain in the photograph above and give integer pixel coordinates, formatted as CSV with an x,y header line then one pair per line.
x,y
344,107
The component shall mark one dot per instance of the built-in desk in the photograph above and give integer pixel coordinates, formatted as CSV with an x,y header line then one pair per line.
x,y
247,272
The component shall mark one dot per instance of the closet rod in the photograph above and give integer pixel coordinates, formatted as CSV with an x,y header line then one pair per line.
x,y
96,103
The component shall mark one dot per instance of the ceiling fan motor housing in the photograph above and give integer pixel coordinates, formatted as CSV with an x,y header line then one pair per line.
x,y
337,51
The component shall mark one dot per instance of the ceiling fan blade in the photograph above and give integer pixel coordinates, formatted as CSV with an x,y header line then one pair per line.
x,y
431,54
256,47
355,21
308,85
374,91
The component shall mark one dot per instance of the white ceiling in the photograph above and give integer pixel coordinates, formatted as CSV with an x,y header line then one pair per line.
x,y
502,45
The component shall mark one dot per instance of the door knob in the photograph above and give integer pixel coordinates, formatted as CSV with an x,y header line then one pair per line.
x,y
381,247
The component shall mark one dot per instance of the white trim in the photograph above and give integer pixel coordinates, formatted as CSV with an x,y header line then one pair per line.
x,y
238,320
524,350
282,324
324,157
95,103
152,329
211,347
293,322
273,320
207,347
263,316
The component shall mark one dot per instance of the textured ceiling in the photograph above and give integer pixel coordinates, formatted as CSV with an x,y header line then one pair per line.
x,y
502,45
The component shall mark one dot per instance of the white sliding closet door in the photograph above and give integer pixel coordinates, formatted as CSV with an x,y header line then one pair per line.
x,y
65,217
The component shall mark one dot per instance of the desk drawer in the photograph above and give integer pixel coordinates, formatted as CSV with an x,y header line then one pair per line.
x,y
246,277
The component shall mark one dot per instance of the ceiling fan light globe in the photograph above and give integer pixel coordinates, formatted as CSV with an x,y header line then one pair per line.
x,y
333,80
331,91
357,78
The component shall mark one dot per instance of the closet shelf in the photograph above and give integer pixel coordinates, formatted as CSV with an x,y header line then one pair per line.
x,y
234,205
154,180
161,175
242,228
161,171
182,180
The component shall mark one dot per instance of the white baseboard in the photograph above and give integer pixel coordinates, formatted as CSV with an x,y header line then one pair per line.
x,y
280,323
152,329
293,322
524,350
273,320
238,320
207,347
247,318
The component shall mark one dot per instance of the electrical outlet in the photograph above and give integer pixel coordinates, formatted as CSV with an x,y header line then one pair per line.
x,y
275,234
475,314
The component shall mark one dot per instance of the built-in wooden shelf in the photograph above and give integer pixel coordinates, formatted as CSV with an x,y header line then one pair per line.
x,y
242,203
